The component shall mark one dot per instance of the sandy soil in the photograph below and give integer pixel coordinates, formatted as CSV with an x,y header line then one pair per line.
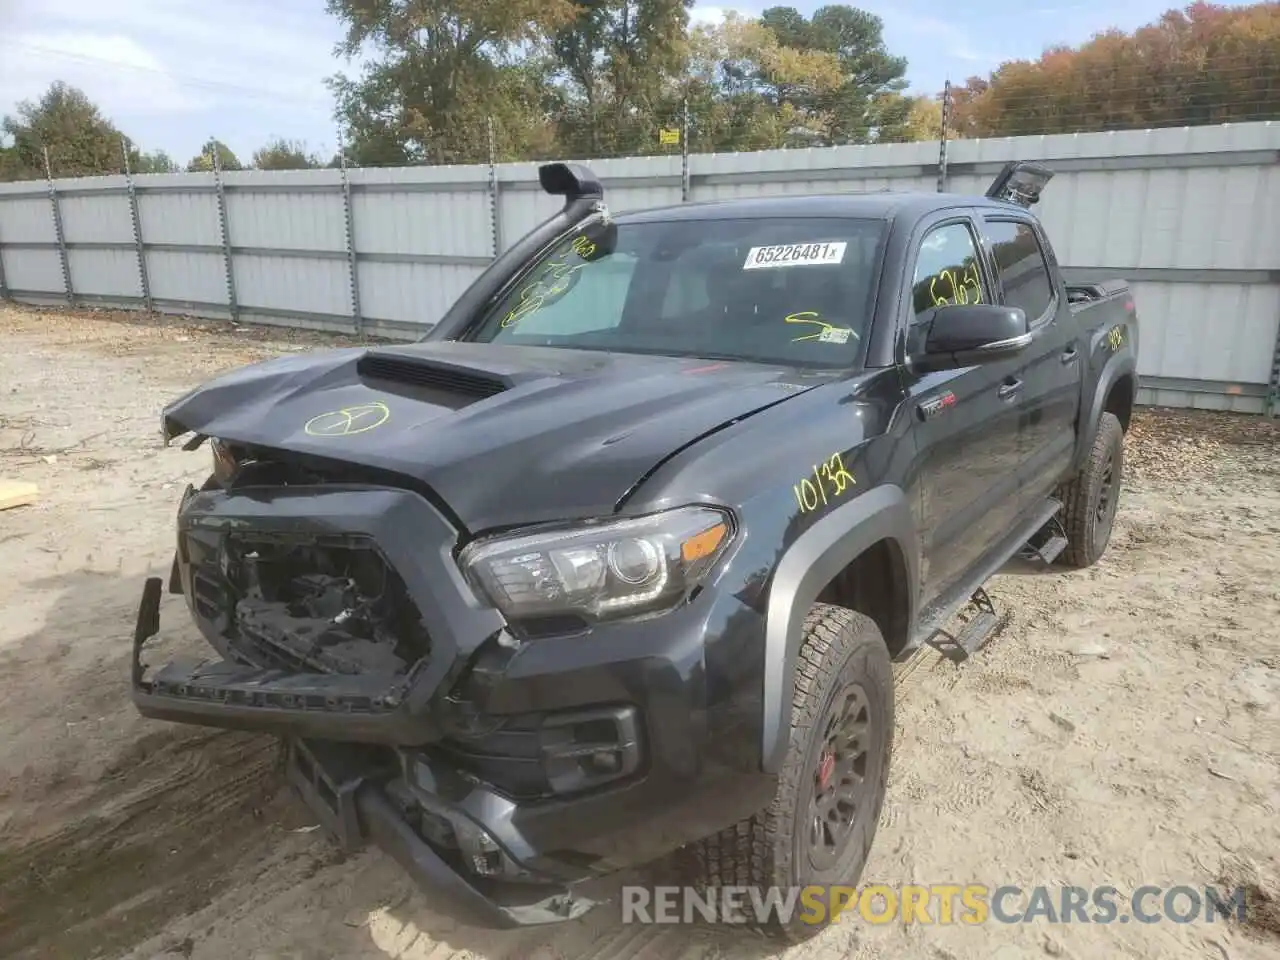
x,y
1123,728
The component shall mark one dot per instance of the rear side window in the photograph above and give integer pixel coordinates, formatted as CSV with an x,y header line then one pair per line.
x,y
1021,263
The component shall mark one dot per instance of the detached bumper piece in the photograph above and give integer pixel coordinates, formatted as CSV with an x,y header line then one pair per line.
x,y
457,862
221,693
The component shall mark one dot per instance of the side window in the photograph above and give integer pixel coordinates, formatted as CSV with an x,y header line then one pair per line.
x,y
947,270
1021,262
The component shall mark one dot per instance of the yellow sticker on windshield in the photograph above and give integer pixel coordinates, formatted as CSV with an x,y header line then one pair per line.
x,y
826,332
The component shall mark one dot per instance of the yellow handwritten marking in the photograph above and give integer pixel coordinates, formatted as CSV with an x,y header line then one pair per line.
x,y
348,421
535,293
1115,337
830,480
828,331
810,317
965,289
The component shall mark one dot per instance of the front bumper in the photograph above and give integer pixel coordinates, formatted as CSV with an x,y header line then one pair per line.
x,y
672,703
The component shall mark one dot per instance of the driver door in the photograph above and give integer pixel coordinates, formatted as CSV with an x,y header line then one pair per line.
x,y
966,420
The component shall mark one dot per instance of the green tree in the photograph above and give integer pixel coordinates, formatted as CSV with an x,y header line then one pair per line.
x,y
866,105
157,161
619,59
202,162
281,154
80,141
744,87
437,71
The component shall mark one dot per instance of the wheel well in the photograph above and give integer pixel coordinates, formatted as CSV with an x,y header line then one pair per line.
x,y
1120,400
875,584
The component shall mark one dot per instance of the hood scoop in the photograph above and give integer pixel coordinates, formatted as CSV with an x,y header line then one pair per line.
x,y
458,379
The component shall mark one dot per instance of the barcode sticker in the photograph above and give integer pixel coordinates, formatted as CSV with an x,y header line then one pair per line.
x,y
794,255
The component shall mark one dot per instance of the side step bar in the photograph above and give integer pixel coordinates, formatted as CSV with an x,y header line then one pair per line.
x,y
1047,544
1041,539
975,633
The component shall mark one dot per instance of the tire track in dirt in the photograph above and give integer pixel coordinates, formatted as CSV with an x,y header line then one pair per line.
x,y
159,834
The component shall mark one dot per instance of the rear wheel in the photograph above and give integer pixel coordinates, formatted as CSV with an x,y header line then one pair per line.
x,y
1093,497
819,828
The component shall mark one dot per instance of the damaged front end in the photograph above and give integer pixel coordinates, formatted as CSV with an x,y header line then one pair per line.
x,y
325,608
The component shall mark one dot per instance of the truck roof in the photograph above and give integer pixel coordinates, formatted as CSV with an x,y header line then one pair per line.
x,y
875,206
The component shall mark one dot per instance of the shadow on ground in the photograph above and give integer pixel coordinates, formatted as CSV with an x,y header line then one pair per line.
x,y
115,827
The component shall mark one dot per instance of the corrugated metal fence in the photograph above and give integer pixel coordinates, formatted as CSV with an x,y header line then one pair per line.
x,y
1191,217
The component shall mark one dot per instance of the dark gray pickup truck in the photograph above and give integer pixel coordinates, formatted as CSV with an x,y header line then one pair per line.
x,y
615,561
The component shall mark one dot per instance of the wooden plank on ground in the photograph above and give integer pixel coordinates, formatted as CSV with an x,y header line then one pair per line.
x,y
16,493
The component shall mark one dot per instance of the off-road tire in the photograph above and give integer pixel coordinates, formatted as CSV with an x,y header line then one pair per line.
x,y
771,849
1088,523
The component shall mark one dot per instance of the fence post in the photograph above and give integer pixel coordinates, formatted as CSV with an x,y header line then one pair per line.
x,y
1273,395
4,289
353,272
942,137
495,209
224,227
684,151
144,281
57,230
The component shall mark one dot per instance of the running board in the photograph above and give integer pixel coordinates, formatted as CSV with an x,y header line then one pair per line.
x,y
975,633
979,629
1047,544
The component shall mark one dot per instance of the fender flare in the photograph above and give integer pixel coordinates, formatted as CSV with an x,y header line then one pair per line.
x,y
808,565
1117,366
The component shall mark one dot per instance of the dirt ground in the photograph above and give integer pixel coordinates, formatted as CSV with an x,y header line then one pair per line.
x,y
1123,728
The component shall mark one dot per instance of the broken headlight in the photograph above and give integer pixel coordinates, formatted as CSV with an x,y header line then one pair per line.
x,y
600,571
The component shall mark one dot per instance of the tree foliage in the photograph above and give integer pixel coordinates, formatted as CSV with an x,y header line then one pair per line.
x,y
1203,64
436,71
157,161
281,154
202,162
458,81
80,141
604,77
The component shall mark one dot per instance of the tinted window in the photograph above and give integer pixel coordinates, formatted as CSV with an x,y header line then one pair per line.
x,y
1023,273
947,269
796,291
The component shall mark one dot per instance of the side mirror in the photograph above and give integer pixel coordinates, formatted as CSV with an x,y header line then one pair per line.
x,y
960,334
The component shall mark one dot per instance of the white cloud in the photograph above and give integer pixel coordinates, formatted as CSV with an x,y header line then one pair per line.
x,y
119,73
950,38
710,16
170,72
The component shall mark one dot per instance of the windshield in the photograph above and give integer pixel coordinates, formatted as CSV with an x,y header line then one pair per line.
x,y
772,290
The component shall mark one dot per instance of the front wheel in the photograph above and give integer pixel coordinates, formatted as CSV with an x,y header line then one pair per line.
x,y
819,827
1093,497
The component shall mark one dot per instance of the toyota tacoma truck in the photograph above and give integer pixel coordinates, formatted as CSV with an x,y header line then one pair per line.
x,y
616,561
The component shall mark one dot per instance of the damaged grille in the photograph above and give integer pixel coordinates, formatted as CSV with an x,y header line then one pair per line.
x,y
306,604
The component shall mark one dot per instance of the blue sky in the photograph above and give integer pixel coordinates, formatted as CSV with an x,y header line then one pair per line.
x,y
171,73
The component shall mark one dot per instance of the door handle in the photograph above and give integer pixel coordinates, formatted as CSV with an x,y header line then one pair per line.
x,y
1009,389
1069,356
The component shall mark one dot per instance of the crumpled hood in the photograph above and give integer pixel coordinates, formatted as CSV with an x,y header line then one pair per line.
x,y
504,435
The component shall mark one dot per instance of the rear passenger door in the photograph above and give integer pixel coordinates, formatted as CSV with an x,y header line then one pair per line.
x,y
966,420
1054,360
